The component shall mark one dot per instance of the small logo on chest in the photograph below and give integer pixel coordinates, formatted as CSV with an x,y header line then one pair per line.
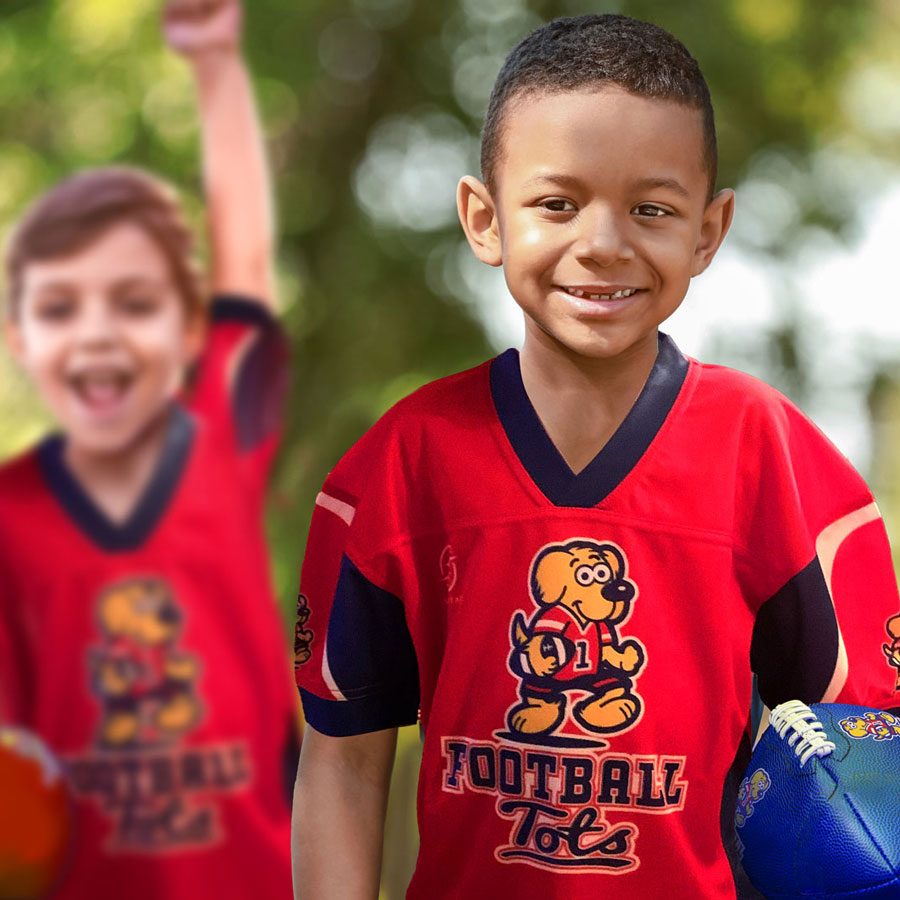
x,y
450,574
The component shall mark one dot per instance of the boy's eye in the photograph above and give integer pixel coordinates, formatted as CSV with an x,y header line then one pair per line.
x,y
557,204
138,305
55,309
651,211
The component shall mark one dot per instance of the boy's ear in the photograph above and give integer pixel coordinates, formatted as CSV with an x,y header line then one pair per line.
x,y
12,334
716,222
478,216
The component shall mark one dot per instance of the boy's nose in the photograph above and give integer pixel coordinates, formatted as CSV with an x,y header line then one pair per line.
x,y
603,239
96,324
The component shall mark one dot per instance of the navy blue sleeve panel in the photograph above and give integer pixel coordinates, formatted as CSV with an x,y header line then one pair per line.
x,y
240,308
369,662
344,718
795,644
260,385
369,647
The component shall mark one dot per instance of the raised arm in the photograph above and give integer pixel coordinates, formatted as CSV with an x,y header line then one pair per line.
x,y
236,174
340,800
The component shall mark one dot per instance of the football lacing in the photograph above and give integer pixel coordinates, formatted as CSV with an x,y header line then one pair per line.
x,y
808,737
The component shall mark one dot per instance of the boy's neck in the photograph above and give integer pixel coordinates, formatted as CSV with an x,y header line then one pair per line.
x,y
581,401
116,481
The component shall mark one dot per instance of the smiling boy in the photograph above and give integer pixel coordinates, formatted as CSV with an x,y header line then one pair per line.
x,y
138,632
634,535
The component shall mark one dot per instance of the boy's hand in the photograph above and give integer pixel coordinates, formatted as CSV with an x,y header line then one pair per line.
x,y
196,28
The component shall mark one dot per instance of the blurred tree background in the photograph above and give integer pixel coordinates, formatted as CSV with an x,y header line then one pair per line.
x,y
372,109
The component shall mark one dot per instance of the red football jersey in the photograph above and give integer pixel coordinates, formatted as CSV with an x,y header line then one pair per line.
x,y
150,655
718,534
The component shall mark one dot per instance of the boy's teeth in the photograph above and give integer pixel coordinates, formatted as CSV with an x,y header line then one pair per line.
x,y
618,295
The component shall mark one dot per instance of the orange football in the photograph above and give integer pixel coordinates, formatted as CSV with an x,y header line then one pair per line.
x,y
36,822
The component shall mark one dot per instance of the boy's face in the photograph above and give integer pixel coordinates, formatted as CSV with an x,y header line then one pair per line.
x,y
105,336
598,215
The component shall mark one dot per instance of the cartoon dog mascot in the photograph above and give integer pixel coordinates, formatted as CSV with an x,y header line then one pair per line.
x,y
892,650
752,789
881,725
582,591
138,675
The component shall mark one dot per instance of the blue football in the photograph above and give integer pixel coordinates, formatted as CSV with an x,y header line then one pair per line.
x,y
818,813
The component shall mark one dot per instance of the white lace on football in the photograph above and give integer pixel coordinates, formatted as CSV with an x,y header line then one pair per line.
x,y
808,737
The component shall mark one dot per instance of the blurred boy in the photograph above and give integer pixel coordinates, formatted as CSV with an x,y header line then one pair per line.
x,y
570,561
138,632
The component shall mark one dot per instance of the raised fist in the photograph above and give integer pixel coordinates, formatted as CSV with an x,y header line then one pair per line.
x,y
197,27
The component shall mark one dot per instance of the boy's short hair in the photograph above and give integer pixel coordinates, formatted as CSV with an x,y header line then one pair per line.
x,y
77,211
591,51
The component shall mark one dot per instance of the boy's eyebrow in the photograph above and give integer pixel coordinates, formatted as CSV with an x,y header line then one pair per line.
x,y
56,284
644,184
552,178
137,281
127,281
671,184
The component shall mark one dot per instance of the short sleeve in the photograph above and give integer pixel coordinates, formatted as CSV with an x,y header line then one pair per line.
x,y
815,563
355,661
240,382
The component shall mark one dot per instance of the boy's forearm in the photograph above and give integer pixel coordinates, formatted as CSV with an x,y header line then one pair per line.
x,y
236,177
340,800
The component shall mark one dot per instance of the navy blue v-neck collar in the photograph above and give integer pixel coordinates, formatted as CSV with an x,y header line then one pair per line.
x,y
545,464
90,519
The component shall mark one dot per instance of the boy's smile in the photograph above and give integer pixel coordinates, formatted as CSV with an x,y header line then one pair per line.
x,y
599,215
104,334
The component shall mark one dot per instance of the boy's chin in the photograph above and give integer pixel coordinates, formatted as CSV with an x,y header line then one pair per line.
x,y
590,345
114,439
